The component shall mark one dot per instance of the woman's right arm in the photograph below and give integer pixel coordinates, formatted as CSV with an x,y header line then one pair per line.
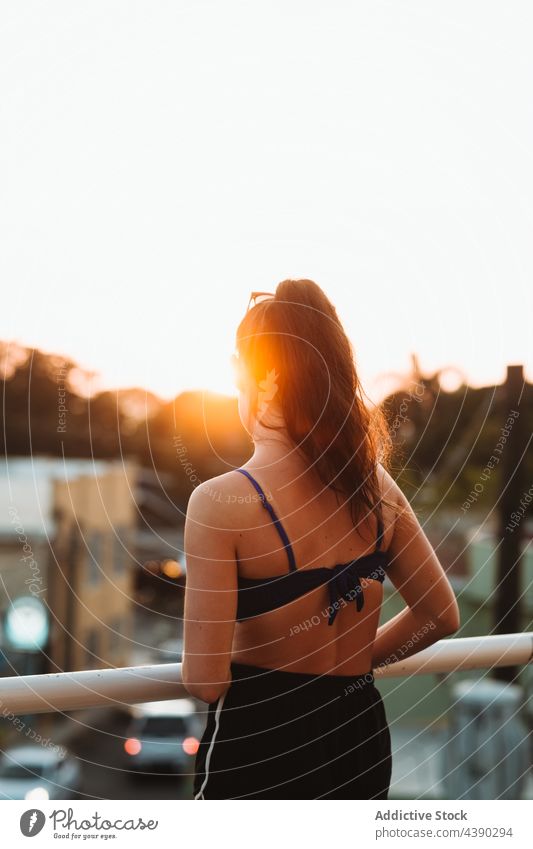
x,y
432,611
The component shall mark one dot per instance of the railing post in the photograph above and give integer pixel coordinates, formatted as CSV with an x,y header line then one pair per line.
x,y
507,607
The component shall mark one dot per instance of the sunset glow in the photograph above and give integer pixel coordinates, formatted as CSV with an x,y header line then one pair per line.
x,y
153,181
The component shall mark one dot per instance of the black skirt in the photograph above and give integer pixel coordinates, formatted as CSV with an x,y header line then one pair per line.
x,y
290,735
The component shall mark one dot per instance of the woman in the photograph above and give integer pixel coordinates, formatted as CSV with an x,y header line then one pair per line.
x,y
286,559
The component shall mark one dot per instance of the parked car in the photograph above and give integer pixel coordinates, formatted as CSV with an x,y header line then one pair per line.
x,y
162,736
36,772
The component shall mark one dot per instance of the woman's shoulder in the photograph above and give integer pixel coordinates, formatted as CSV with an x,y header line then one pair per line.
x,y
394,502
389,489
219,498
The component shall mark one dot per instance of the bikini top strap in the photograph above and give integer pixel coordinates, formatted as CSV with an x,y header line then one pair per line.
x,y
279,526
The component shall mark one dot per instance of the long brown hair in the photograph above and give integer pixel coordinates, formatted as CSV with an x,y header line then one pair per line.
x,y
297,337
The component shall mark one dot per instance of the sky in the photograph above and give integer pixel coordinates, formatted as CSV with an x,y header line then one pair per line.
x,y
160,160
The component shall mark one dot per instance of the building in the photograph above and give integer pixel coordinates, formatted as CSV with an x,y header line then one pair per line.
x,y
91,570
26,529
67,538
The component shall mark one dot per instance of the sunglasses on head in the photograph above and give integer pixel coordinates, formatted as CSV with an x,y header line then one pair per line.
x,y
258,297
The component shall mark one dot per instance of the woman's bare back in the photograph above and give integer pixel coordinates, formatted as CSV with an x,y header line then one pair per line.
x,y
297,636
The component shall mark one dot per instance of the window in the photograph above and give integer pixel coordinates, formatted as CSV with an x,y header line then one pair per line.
x,y
92,647
164,726
93,543
114,636
121,554
10,769
115,628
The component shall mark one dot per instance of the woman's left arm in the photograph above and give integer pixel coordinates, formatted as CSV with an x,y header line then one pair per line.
x,y
210,596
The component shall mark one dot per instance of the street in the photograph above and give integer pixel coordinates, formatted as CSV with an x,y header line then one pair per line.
x,y
104,777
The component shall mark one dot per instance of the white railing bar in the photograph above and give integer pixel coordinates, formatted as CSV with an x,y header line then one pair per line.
x,y
452,655
66,691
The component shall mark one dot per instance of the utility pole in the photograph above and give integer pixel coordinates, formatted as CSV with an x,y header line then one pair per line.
x,y
70,589
507,606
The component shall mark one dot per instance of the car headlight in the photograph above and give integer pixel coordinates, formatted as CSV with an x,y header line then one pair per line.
x,y
37,793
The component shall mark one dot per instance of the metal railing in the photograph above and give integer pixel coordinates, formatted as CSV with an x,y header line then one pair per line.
x,y
66,691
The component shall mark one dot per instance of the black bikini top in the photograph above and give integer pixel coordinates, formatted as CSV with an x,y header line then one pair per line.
x,y
260,595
